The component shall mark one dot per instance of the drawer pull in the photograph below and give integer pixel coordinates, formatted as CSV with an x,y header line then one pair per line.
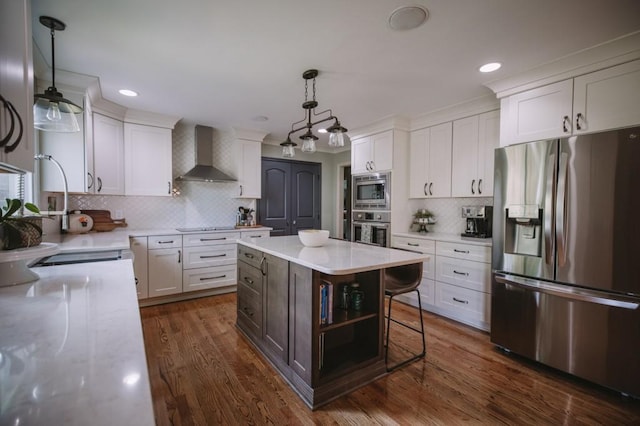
x,y
249,255
466,274
165,242
461,251
213,239
248,280
212,256
213,278
413,244
461,301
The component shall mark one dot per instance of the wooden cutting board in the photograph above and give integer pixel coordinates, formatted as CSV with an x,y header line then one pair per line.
x,y
99,216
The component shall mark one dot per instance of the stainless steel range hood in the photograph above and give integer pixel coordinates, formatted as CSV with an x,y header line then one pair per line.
x,y
204,170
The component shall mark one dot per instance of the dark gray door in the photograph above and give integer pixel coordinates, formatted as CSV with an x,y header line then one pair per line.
x,y
290,196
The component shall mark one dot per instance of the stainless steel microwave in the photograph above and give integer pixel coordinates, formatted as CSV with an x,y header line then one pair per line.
x,y
372,191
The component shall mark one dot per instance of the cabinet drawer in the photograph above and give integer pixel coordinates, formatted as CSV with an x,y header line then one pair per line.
x,y
250,277
464,251
203,278
471,275
255,234
462,302
249,310
208,239
414,244
202,257
249,255
165,241
428,268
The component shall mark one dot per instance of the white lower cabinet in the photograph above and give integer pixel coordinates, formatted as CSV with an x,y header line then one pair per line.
x,y
456,281
210,260
165,265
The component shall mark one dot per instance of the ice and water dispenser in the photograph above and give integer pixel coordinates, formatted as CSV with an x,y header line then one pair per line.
x,y
523,233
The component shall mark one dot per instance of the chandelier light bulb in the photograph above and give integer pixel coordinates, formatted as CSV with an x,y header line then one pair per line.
x,y
53,113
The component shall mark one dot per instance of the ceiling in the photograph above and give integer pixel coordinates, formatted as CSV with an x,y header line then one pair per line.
x,y
226,63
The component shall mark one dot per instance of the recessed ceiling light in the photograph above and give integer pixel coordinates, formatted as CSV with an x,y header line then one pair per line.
x,y
490,67
322,130
260,118
407,18
127,92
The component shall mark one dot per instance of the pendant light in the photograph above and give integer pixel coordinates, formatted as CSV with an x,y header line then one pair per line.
x,y
336,132
51,111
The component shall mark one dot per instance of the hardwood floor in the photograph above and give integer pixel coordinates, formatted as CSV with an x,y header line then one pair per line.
x,y
203,372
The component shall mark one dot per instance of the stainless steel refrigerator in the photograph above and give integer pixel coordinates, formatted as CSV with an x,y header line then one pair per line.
x,y
566,255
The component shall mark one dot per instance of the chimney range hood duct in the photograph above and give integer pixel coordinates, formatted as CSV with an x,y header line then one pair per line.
x,y
204,170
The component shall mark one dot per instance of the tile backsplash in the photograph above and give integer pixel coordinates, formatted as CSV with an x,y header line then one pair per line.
x,y
448,212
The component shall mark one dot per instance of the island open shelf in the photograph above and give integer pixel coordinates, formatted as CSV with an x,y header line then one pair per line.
x,y
289,308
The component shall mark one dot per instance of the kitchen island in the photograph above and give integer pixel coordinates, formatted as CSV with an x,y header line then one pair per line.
x,y
289,307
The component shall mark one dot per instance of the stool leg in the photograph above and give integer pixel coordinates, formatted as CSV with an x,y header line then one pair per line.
x,y
421,331
424,345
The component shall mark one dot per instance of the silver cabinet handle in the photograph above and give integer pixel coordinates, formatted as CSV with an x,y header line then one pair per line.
x,y
212,278
99,184
263,261
211,256
249,255
461,251
430,185
90,176
413,244
424,189
565,119
165,242
473,184
213,239
169,190
579,116
240,190
179,256
480,186
466,302
466,274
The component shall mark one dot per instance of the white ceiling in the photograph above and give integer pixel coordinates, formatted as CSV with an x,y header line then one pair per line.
x,y
225,62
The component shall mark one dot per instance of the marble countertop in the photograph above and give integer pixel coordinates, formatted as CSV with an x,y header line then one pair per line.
x,y
336,257
441,236
72,350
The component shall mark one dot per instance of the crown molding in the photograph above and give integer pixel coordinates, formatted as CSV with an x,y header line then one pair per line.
x,y
394,122
250,134
613,52
455,112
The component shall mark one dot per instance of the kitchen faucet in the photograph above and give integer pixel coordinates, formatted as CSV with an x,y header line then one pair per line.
x,y
65,212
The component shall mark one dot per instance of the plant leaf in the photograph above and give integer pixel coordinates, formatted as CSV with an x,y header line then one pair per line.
x,y
32,208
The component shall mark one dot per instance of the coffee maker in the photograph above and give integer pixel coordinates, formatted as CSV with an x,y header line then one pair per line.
x,y
479,221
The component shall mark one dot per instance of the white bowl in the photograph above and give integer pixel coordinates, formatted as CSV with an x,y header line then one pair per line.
x,y
313,237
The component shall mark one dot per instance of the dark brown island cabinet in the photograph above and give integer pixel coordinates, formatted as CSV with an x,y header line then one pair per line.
x,y
292,314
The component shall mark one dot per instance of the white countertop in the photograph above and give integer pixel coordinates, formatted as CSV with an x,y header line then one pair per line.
x,y
337,257
72,350
441,236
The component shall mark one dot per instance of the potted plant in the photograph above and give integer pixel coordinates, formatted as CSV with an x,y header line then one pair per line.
x,y
18,230
422,218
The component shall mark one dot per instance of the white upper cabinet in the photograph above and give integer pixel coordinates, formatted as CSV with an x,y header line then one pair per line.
x,y
474,140
597,101
372,153
147,160
430,162
248,168
607,99
16,83
108,155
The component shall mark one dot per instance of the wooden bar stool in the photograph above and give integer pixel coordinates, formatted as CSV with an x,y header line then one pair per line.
x,y
401,280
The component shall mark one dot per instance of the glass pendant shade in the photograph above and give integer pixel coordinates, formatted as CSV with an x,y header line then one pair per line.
x,y
52,116
336,139
309,145
288,151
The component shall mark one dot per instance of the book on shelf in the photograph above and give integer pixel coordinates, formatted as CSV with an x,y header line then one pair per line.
x,y
326,303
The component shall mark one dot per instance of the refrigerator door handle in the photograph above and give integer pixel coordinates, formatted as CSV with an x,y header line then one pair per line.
x,y
571,293
548,210
561,207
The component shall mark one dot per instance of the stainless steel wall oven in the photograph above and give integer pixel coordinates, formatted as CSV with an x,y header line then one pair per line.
x,y
371,227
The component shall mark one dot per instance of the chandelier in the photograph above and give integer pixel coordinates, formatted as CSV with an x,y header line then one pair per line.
x,y
336,132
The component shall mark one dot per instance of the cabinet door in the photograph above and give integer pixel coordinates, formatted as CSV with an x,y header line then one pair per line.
x,y
68,149
276,307
301,322
607,99
488,141
165,271
464,176
108,155
361,155
16,79
382,151
541,113
147,160
418,169
439,167
140,265
248,169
